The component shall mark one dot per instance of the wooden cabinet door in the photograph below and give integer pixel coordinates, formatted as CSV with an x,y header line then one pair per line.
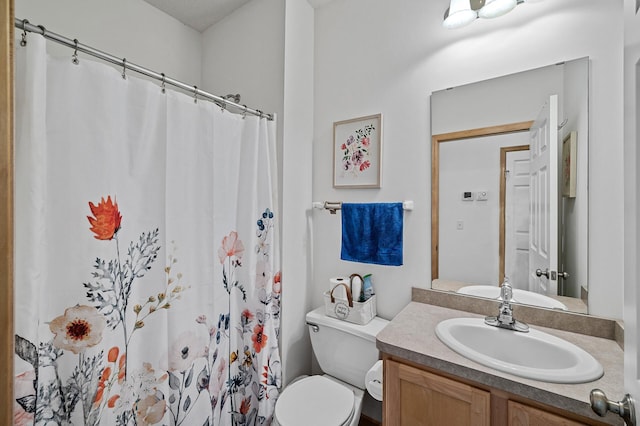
x,y
414,397
523,415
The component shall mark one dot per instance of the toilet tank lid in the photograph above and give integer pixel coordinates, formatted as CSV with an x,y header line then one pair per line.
x,y
367,331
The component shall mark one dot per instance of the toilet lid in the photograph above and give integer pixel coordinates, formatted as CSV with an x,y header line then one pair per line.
x,y
314,401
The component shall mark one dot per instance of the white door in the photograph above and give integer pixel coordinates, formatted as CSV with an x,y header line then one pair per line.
x,y
632,251
543,242
516,251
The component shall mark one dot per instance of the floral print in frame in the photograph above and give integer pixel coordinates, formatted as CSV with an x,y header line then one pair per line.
x,y
357,152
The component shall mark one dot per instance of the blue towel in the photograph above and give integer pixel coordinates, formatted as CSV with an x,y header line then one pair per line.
x,y
372,233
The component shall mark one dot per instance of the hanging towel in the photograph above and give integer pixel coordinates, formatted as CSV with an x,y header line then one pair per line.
x,y
372,233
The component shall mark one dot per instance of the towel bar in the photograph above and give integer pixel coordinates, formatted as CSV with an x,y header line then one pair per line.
x,y
333,206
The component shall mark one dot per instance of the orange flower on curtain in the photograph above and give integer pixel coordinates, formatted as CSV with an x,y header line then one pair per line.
x,y
106,219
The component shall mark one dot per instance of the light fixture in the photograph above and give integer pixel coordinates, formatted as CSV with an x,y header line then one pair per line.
x,y
495,8
459,14
463,12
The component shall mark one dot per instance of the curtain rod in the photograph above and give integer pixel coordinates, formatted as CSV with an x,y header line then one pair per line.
x,y
24,25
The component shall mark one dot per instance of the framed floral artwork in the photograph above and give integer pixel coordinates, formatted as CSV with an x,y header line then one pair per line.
x,y
357,152
569,160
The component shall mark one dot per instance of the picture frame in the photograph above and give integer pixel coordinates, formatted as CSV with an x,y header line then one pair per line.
x,y
357,152
569,161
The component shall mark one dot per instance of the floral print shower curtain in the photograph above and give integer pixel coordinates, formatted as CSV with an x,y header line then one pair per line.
x,y
147,271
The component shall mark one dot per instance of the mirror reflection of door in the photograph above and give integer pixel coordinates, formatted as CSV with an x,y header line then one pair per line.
x,y
514,215
543,241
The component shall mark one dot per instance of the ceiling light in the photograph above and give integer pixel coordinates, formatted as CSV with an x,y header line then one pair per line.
x,y
459,14
495,8
463,12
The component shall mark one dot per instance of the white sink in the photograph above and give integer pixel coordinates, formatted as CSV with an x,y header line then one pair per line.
x,y
533,355
519,296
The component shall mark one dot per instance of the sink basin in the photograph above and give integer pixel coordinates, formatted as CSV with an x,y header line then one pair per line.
x,y
533,355
519,296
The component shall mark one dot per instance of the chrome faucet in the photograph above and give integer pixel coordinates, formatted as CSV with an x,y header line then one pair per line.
x,y
505,317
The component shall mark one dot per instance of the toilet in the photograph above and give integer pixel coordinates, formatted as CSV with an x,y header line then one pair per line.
x,y
345,352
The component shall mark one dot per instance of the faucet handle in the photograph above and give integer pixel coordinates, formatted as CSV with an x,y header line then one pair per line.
x,y
506,291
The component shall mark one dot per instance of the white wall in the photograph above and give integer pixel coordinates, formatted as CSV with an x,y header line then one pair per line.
x,y
378,56
129,29
244,53
297,254
575,210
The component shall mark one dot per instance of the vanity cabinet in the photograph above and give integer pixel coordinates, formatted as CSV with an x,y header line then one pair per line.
x,y
524,415
415,396
419,398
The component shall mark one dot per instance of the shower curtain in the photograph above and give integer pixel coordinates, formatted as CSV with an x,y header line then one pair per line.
x,y
147,282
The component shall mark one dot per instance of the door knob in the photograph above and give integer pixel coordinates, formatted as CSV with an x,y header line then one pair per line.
x,y
600,404
540,273
564,275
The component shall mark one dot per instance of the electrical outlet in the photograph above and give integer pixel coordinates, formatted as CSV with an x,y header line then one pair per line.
x,y
482,196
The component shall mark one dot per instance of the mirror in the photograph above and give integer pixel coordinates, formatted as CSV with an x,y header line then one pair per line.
x,y
484,224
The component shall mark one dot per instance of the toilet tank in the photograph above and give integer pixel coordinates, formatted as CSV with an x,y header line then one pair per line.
x,y
344,350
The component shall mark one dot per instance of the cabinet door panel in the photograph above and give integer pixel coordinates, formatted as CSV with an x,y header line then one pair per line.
x,y
523,415
414,397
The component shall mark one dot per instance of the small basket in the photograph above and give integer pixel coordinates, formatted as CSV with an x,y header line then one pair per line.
x,y
348,310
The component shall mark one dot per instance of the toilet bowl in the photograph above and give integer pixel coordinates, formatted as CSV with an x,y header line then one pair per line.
x,y
345,353
319,400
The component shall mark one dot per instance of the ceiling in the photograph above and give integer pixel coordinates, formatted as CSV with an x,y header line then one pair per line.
x,y
201,14
198,14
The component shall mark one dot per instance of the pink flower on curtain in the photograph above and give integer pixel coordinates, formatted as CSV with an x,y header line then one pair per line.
x,y
263,274
106,219
231,246
78,329
184,351
277,282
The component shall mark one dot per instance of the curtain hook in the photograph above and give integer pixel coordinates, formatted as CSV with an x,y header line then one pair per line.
x,y
74,57
244,112
124,68
163,84
23,42
195,94
260,113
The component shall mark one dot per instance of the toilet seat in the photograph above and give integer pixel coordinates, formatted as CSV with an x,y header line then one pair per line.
x,y
315,401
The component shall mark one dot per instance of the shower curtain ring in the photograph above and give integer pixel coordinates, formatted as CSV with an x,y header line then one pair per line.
x,y
74,57
244,112
23,42
195,94
163,84
124,68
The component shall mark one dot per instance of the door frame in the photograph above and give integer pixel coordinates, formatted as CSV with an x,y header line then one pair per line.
x,y
436,140
503,204
7,14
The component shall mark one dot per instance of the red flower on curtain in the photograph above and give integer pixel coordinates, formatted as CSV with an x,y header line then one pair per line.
x,y
106,219
259,339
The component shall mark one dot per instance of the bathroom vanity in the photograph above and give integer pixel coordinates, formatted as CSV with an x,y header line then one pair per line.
x,y
426,383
